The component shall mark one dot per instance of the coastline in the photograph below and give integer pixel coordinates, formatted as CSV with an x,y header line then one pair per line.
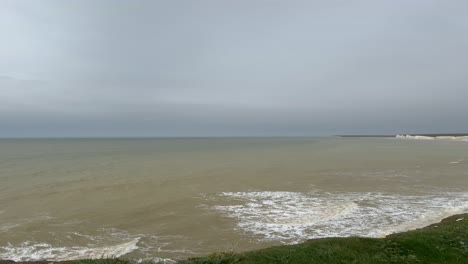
x,y
434,137
452,137
453,230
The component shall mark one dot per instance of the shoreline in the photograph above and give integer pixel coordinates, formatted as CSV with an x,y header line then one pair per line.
x,y
416,134
434,137
447,137
448,222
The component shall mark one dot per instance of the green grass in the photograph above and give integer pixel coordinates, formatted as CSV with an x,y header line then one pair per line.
x,y
445,242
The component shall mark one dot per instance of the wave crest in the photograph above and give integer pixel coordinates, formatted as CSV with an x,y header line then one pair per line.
x,y
293,217
42,251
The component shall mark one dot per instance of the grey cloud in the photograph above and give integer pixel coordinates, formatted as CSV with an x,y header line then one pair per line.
x,y
185,68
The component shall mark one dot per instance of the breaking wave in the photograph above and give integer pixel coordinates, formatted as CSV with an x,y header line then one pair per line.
x,y
28,251
292,217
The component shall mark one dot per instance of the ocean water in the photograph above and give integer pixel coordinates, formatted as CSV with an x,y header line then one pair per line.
x,y
153,199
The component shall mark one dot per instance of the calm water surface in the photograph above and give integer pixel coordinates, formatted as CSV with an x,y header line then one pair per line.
x,y
170,198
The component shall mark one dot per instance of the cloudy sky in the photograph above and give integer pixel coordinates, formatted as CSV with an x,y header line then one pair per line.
x,y
232,68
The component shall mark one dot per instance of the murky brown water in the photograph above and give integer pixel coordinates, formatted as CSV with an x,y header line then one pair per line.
x,y
169,198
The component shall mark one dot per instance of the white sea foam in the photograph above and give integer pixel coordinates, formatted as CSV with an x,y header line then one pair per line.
x,y
292,216
155,260
42,251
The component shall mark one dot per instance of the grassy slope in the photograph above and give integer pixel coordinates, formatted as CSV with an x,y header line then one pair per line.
x,y
445,242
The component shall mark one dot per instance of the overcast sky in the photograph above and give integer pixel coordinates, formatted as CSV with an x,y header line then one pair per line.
x,y
232,68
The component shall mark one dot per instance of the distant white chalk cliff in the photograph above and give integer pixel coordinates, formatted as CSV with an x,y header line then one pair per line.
x,y
457,138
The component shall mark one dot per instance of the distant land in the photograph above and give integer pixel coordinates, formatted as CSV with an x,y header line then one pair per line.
x,y
426,135
366,135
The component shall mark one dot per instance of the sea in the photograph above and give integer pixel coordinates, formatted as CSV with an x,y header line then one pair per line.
x,y
162,199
